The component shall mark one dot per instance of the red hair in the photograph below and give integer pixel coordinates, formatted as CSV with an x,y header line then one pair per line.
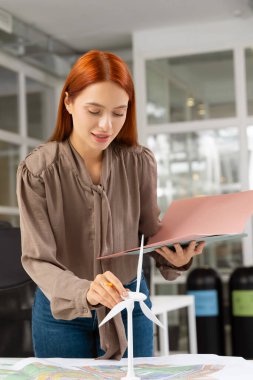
x,y
93,67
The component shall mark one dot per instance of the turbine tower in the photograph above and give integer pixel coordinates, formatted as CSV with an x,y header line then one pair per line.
x,y
128,304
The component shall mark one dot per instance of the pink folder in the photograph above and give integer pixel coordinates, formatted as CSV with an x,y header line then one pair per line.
x,y
205,218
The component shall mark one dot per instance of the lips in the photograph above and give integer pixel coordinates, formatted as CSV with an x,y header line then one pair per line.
x,y
101,138
100,135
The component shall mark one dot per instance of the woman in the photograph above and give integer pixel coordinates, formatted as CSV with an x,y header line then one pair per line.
x,y
88,192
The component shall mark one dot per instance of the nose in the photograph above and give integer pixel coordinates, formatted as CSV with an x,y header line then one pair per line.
x,y
105,122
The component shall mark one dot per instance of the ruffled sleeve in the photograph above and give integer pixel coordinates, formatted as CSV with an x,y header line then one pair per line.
x,y
66,292
168,271
149,219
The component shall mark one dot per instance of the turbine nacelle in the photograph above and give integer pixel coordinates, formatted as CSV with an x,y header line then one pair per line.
x,y
135,296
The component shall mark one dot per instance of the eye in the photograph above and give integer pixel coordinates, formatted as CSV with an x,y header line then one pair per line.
x,y
118,114
94,113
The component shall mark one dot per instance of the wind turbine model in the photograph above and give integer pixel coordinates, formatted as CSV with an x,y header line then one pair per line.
x,y
128,303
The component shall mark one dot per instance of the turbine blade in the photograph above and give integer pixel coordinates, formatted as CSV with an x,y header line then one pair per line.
x,y
139,268
114,311
149,314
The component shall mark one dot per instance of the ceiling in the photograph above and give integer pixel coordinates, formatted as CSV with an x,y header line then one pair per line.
x,y
108,24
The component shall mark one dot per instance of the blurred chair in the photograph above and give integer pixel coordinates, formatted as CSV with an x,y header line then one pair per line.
x,y
5,224
16,296
161,305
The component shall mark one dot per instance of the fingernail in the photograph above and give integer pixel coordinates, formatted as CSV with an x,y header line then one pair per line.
x,y
125,294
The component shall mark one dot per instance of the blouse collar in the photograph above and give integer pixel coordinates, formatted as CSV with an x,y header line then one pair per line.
x,y
79,167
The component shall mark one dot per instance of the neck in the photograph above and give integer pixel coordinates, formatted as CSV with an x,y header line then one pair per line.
x,y
87,154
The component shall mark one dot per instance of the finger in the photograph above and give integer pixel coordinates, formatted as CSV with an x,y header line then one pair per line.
x,y
192,244
117,284
109,288
179,249
104,292
102,296
190,249
163,253
199,248
183,255
94,299
90,297
165,250
159,250
168,254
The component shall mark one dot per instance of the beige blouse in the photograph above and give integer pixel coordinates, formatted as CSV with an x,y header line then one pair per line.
x,y
67,222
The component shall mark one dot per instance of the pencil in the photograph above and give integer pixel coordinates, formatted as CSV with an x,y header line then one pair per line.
x,y
108,284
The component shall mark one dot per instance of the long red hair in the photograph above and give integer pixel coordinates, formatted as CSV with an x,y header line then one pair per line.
x,y
92,67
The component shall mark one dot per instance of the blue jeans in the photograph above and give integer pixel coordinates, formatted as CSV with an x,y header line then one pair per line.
x,y
79,338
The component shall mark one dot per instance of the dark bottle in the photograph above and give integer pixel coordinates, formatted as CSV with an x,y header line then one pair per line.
x,y
206,286
241,311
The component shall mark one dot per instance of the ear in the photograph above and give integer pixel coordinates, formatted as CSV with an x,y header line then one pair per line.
x,y
67,103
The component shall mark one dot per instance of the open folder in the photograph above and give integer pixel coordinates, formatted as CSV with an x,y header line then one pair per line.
x,y
205,218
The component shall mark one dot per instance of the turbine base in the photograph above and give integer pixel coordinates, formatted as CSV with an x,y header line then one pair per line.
x,y
130,378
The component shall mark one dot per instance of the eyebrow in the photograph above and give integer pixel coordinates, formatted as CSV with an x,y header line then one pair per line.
x,y
100,105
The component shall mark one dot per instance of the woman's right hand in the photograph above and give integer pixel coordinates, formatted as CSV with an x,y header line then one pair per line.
x,y
106,289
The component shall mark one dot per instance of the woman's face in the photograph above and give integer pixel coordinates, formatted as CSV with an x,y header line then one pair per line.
x,y
98,113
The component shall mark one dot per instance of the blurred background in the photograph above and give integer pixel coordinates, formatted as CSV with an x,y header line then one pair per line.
x,y
192,64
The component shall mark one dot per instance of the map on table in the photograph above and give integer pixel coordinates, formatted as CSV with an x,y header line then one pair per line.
x,y
39,371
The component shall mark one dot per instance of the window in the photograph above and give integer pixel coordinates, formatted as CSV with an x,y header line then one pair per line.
x,y
27,114
189,88
9,159
200,163
196,163
8,100
249,81
40,109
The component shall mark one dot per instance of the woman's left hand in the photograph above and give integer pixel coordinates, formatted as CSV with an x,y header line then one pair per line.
x,y
181,256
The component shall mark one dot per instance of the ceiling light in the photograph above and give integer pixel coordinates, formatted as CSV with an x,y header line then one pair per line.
x,y
201,109
190,102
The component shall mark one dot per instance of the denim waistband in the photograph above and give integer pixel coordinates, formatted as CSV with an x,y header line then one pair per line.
x,y
135,280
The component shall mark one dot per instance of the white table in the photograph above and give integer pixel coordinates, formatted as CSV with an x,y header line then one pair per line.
x,y
164,304
228,367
